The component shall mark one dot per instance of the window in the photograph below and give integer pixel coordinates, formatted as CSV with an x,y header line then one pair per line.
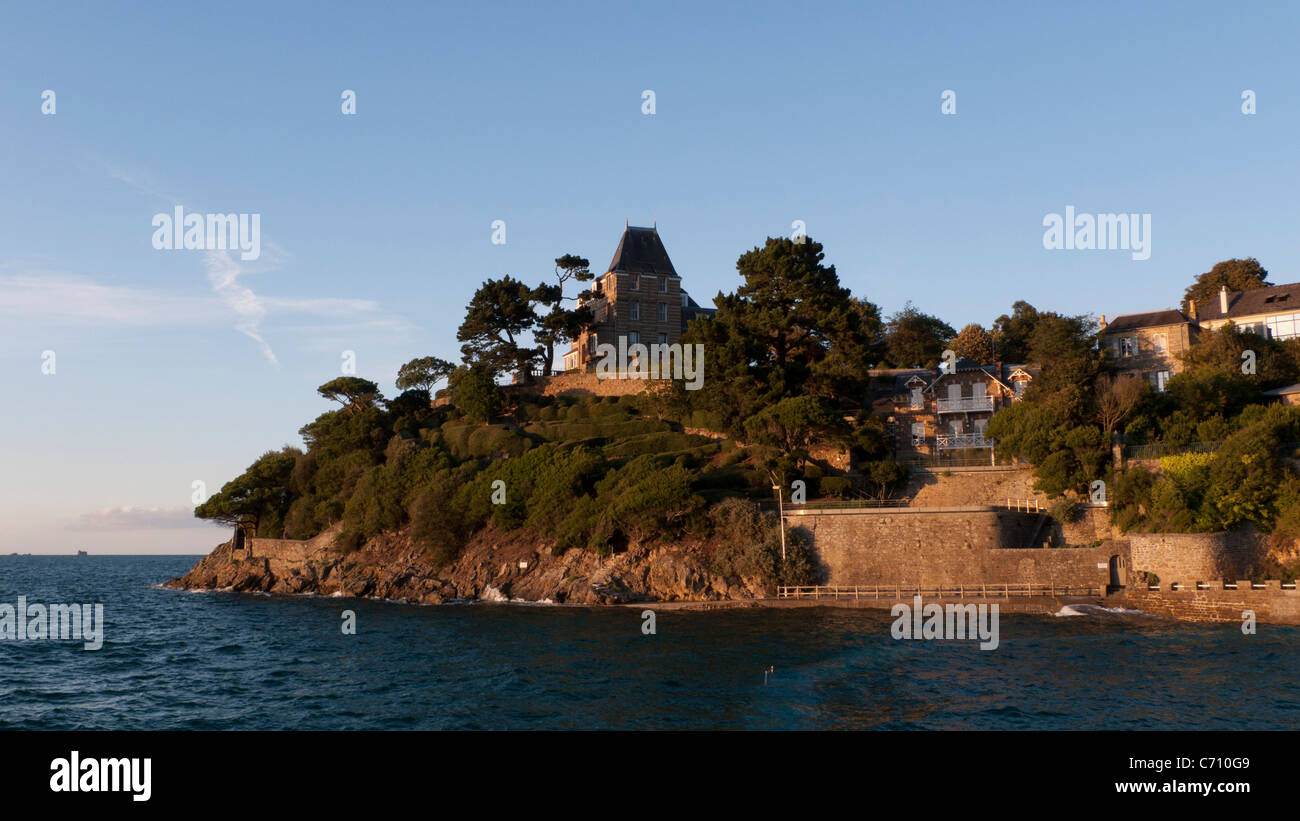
x,y
633,337
636,282
1286,326
955,427
1127,346
917,402
980,425
663,339
918,434
635,311
1020,388
663,312
1161,342
663,285
954,391
1162,377
684,298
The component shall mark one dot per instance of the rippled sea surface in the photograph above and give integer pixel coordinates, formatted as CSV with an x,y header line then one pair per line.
x,y
178,660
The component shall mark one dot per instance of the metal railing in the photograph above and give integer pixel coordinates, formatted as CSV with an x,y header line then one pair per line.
x,y
956,441
965,591
951,459
1024,505
964,404
843,504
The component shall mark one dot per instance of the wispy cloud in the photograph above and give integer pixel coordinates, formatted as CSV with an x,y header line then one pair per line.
x,y
137,518
223,273
225,269
51,297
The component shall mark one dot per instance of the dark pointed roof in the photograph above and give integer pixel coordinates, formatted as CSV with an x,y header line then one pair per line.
x,y
640,251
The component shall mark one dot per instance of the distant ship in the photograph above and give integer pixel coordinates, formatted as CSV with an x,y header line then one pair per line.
x,y
81,553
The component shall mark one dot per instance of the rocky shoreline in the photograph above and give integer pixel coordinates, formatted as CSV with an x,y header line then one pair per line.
x,y
494,566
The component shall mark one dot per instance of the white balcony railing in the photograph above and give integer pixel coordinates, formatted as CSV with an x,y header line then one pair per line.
x,y
953,441
968,403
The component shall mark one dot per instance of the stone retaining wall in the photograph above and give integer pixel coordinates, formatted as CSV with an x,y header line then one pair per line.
x,y
1193,557
944,547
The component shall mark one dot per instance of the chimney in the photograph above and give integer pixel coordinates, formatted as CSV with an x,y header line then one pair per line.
x,y
1191,309
1103,322
1223,299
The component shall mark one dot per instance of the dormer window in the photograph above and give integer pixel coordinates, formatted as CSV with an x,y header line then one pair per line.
x,y
663,285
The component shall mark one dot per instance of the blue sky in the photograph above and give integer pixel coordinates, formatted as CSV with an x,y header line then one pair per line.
x,y
177,366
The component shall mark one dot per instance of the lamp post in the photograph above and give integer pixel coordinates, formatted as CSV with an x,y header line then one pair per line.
x,y
780,507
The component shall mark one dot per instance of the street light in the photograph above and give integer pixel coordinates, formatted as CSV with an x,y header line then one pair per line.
x,y
780,507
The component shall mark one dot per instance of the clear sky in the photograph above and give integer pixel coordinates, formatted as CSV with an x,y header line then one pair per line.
x,y
177,366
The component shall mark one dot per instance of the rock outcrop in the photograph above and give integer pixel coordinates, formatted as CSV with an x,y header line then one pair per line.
x,y
493,566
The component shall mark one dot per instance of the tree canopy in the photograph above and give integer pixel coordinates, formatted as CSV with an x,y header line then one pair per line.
x,y
1236,274
260,496
496,318
973,342
916,340
353,392
423,373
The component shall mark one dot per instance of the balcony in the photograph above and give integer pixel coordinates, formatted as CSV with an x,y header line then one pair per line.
x,y
956,441
965,404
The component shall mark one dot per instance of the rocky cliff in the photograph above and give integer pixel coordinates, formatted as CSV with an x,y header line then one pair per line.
x,y
493,566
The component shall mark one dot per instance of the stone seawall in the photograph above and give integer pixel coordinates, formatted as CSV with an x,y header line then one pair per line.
x,y
1195,557
1270,604
944,547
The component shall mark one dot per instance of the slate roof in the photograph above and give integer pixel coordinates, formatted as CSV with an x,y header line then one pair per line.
x,y
640,251
1152,319
692,309
1275,299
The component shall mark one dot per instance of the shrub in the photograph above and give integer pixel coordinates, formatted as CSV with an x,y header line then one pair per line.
x,y
749,545
834,487
1064,510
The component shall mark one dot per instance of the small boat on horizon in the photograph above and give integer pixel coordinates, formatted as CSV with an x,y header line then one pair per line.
x,y
81,553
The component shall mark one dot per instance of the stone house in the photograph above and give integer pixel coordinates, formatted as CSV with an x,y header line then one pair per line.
x,y
1147,345
931,411
639,297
